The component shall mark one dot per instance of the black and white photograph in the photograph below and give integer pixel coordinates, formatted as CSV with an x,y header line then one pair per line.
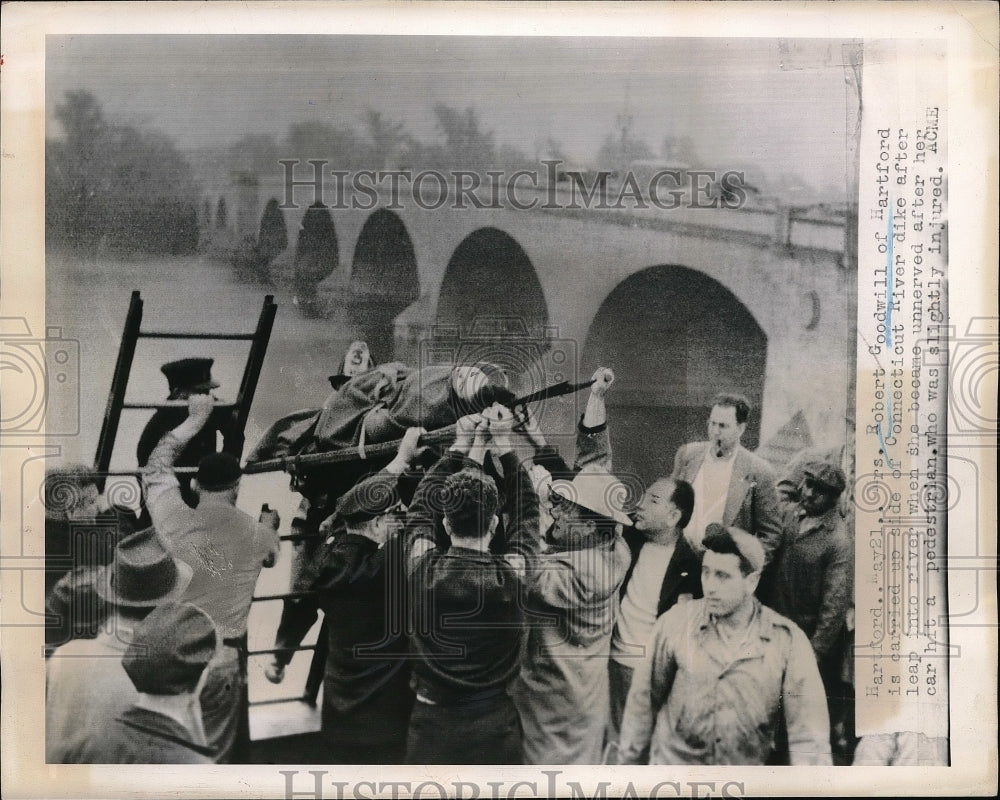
x,y
544,400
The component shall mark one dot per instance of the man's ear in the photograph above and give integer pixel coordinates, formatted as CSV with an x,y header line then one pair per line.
x,y
493,523
447,526
742,427
752,580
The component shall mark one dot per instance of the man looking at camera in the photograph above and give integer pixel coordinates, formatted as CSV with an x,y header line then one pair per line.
x,y
720,671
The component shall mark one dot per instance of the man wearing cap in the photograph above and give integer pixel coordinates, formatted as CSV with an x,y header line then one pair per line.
x,y
466,601
226,548
815,571
358,575
86,686
166,663
299,614
663,569
732,486
186,377
561,693
720,671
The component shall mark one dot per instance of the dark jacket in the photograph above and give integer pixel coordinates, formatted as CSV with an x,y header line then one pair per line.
x,y
814,577
360,589
467,612
683,575
165,420
141,736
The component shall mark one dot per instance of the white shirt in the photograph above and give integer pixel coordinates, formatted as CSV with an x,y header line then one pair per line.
x,y
711,487
639,605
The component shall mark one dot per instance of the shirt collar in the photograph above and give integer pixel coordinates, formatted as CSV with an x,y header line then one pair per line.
x,y
708,619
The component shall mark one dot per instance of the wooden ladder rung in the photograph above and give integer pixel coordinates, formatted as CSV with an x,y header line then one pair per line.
x,y
236,337
168,404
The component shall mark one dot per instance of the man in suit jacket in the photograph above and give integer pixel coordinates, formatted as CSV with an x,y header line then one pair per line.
x,y
732,486
664,567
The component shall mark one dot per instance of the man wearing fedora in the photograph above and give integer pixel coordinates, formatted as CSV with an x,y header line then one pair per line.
x,y
225,547
562,691
86,686
166,663
663,569
722,673
185,377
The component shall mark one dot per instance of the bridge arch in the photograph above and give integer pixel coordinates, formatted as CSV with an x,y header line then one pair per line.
x,y
675,337
384,280
491,291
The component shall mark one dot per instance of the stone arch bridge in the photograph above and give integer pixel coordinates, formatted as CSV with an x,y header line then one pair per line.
x,y
681,303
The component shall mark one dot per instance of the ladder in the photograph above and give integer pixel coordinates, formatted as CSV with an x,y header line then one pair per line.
x,y
233,441
233,437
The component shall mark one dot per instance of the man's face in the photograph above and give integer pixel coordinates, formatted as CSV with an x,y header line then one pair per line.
x,y
815,498
724,431
356,360
567,522
656,513
725,587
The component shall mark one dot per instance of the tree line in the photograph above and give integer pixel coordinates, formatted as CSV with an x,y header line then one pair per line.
x,y
127,188
116,186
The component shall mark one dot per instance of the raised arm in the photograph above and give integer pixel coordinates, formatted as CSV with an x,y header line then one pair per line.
x,y
522,502
171,516
424,513
593,445
158,475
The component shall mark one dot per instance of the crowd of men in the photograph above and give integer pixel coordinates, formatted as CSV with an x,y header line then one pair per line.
x,y
488,604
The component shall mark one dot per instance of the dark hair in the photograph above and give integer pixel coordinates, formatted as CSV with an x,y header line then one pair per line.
x,y
683,497
719,540
470,500
63,488
736,401
134,613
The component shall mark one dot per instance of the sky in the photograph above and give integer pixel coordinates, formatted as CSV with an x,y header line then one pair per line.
x,y
779,104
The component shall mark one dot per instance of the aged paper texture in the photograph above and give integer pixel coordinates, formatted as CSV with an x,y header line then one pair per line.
x,y
794,201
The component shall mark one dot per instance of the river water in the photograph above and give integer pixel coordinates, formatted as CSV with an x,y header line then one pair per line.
x,y
87,299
